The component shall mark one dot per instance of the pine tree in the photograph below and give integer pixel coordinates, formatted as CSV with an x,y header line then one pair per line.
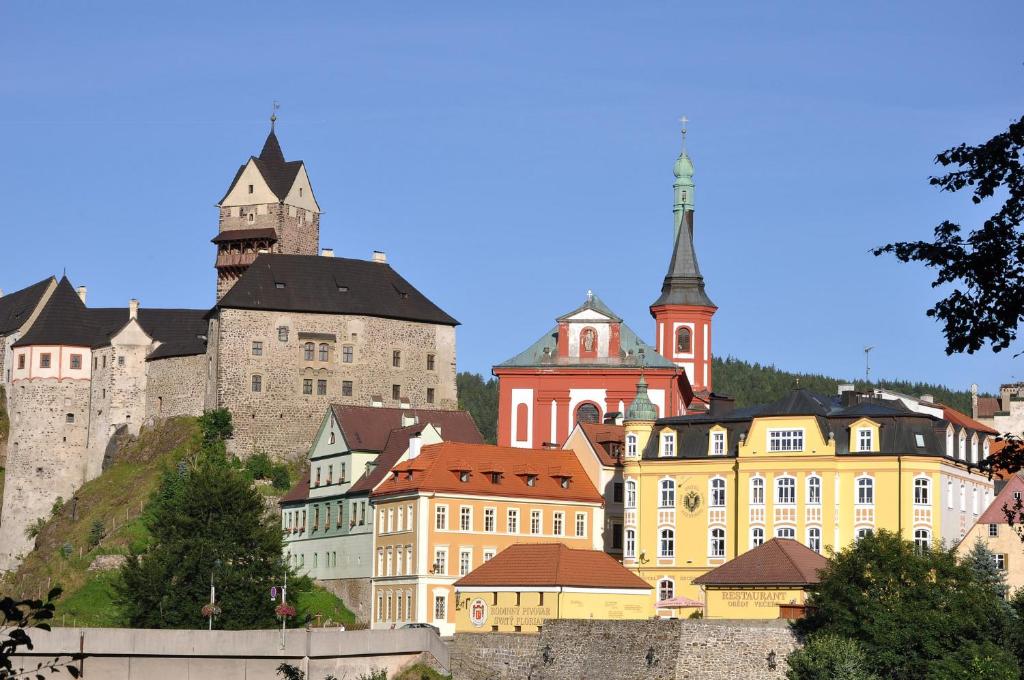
x,y
982,562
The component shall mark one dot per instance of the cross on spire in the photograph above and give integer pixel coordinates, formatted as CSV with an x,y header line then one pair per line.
x,y
683,121
273,115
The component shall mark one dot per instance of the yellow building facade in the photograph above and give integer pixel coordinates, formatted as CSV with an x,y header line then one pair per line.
x,y
702,489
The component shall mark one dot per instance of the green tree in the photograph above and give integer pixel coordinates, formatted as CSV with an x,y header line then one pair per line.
x,y
480,398
829,657
206,521
982,562
913,611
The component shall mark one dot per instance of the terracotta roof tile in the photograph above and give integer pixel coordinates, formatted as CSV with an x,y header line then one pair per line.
x,y
602,437
438,476
552,564
957,418
988,406
780,561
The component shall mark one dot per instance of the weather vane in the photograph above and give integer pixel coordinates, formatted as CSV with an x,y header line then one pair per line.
x,y
273,115
683,121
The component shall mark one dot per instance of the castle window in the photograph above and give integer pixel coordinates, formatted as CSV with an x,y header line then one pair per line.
x,y
396,358
76,362
21,362
250,188
785,440
307,386
346,354
396,392
321,387
346,388
430,362
69,418
323,351
252,217
44,360
430,395
282,333
307,351
257,383
257,348
684,344
120,361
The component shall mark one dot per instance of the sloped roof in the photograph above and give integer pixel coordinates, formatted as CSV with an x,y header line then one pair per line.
x,y
330,285
552,564
994,512
778,562
437,469
959,419
684,284
62,321
988,407
299,492
535,355
593,303
242,234
601,436
368,428
17,307
278,173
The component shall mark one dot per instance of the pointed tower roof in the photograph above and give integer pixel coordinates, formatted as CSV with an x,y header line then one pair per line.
x,y
642,408
63,321
278,173
271,152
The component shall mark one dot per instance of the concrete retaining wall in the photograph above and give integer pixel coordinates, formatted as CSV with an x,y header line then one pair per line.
x,y
133,654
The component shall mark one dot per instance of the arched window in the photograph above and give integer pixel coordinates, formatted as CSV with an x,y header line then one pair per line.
x,y
323,351
865,491
522,422
587,413
986,449
666,589
668,493
307,351
814,490
716,543
863,532
684,342
631,444
718,493
963,445
785,491
667,543
922,491
630,547
974,449
630,494
814,539
756,537
757,491
949,494
785,532
922,539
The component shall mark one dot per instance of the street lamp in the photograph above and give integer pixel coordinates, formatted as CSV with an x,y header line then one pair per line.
x,y
213,592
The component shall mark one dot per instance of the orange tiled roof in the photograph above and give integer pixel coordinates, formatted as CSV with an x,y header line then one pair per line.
x,y
988,406
439,468
957,418
603,435
552,564
778,562
994,512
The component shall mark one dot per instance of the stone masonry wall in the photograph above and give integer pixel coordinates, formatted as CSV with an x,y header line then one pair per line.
x,y
47,456
281,419
648,650
356,593
175,387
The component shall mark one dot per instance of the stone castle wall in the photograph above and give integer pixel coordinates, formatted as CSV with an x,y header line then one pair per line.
x,y
175,386
281,419
649,650
48,457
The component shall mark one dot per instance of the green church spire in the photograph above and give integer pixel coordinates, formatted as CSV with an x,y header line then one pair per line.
x,y
683,186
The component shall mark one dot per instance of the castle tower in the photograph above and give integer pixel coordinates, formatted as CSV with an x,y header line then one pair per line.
x,y
683,312
269,207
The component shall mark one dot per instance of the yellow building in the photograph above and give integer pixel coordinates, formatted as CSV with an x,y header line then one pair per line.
x,y
453,506
702,489
993,529
526,585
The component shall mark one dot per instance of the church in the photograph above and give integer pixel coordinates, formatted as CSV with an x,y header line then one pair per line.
x,y
586,368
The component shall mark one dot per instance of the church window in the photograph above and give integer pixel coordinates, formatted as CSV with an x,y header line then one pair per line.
x,y
307,386
257,383
346,354
321,387
684,344
666,590
430,362
667,543
716,547
307,351
76,362
257,348
756,537
282,333
44,360
346,388
668,494
396,392
587,413
785,440
323,351
396,358
430,395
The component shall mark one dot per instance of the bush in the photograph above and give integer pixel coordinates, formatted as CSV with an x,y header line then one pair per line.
x,y
279,477
829,657
58,505
32,530
259,466
96,533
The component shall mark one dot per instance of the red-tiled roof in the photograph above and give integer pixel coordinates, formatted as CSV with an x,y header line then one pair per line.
x,y
779,562
602,437
367,428
397,444
299,492
994,512
957,418
988,406
433,471
552,564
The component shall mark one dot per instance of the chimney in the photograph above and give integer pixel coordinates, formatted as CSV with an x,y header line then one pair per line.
x,y
327,252
82,290
721,405
1,292
848,398
133,309
928,398
415,445
409,419
846,388
380,257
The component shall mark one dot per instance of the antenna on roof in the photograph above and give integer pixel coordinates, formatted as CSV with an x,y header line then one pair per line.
x,y
273,115
867,364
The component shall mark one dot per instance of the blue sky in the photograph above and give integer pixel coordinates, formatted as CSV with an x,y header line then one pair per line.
x,y
510,158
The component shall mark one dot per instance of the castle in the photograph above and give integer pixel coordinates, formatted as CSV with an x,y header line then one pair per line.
x,y
293,329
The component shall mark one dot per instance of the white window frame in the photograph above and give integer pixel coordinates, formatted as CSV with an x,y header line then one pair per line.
x,y
630,494
581,525
558,523
949,442
865,439
666,586
629,543
963,445
922,538
757,490
491,520
974,448
784,440
536,522
512,520
922,491
666,543
858,487
813,484
631,443
716,542
441,518
440,607
668,445
441,558
779,500
790,532
465,517
756,537
814,539
716,492
717,443
465,561
667,493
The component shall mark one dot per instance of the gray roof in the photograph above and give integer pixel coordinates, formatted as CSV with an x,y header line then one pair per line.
x,y
684,284
594,303
629,354
17,307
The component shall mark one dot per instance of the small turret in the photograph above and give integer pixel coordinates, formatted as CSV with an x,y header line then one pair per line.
x,y
642,408
639,421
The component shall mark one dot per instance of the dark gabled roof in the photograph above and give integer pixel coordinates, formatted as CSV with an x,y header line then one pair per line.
x,y
64,320
243,234
278,173
778,562
368,428
299,492
397,445
17,307
330,285
684,284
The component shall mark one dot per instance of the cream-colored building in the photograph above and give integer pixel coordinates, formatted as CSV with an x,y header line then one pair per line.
x,y
994,530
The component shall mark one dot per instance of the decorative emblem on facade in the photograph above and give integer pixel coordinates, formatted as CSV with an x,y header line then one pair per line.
x,y
478,612
691,501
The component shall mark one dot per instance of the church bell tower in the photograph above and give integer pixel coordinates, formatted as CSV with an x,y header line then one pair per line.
x,y
682,314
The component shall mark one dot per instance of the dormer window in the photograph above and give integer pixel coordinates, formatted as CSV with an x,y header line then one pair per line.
x,y
668,445
279,284
531,480
464,476
495,478
565,482
865,439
